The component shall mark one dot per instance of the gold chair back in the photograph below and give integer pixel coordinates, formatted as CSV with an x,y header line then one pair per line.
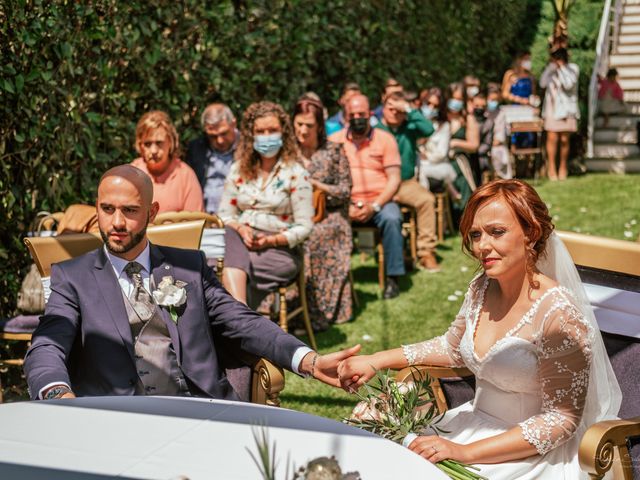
x,y
48,250
211,220
603,253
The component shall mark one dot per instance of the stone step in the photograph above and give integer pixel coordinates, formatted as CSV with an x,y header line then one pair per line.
x,y
624,60
627,137
632,96
628,49
631,10
629,72
615,150
630,83
620,122
614,165
629,29
629,39
631,116
630,19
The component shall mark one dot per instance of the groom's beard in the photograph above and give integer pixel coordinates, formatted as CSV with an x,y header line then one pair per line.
x,y
134,240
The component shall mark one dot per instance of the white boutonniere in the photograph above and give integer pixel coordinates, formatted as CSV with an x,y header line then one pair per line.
x,y
170,294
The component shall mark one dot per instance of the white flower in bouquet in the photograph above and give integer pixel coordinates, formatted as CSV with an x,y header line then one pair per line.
x,y
400,410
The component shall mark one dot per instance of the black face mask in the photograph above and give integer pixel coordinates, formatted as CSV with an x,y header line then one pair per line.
x,y
478,112
359,125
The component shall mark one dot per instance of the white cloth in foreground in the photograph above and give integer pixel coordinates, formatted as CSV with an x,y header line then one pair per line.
x,y
550,375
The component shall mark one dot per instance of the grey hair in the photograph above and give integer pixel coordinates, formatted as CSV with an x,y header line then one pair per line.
x,y
216,113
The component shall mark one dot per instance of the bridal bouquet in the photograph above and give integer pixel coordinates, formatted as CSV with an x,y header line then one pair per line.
x,y
394,410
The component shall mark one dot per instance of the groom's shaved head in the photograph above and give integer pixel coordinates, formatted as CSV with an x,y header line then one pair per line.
x,y
134,175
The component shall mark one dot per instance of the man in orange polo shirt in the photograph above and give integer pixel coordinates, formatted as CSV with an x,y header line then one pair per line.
x,y
374,160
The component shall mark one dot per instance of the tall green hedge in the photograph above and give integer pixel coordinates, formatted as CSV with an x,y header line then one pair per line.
x,y
75,76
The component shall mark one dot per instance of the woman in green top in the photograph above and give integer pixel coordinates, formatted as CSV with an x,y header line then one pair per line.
x,y
465,140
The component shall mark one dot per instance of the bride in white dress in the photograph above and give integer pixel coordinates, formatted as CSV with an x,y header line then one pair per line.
x,y
528,334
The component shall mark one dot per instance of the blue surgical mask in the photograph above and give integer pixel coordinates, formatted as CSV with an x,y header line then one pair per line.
x,y
428,112
268,145
492,105
455,105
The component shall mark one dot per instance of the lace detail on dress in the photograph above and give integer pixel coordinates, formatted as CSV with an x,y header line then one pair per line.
x,y
445,349
564,356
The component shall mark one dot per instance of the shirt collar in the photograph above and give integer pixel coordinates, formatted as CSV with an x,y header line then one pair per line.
x,y
118,263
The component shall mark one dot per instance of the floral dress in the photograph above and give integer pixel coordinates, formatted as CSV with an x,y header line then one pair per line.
x,y
279,204
535,378
327,251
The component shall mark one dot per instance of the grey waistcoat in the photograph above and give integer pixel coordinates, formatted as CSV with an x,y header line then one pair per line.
x,y
156,363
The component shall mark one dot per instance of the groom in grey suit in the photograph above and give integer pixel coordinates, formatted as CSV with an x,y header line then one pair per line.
x,y
104,333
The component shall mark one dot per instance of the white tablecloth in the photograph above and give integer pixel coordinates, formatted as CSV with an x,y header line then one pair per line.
x,y
170,438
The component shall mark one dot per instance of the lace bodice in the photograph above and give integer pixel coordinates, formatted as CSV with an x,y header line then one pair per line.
x,y
536,376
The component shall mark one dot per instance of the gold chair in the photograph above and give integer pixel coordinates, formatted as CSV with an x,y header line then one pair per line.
x,y
211,221
285,316
444,221
410,228
528,154
267,380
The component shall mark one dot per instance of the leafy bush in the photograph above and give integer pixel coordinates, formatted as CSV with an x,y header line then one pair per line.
x,y
76,76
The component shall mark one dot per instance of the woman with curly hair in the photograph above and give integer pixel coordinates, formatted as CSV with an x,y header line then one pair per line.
x,y
266,206
175,185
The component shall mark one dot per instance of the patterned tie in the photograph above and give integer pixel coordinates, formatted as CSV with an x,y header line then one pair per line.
x,y
141,300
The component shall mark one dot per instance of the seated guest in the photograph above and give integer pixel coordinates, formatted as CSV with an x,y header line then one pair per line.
x,y
211,155
104,333
337,121
266,206
175,186
435,167
374,161
471,88
390,86
327,251
493,152
465,140
408,125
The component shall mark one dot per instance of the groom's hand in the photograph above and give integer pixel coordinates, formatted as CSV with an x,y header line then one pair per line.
x,y
325,367
356,371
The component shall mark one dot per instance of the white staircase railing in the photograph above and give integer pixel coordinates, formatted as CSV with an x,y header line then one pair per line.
x,y
607,43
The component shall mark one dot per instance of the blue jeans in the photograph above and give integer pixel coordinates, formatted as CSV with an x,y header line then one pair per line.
x,y
389,222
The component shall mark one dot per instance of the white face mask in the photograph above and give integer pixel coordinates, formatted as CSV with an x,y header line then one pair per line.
x,y
472,91
526,64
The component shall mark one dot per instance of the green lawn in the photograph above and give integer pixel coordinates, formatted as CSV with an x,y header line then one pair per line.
x,y
597,204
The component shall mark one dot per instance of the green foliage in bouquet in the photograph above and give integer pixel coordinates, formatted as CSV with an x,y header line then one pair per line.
x,y
394,410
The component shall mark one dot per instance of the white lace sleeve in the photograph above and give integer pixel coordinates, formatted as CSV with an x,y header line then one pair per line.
x,y
442,350
564,355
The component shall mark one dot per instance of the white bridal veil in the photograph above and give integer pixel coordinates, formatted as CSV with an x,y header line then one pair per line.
x,y
603,396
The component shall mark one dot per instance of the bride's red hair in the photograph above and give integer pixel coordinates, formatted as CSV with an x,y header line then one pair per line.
x,y
532,214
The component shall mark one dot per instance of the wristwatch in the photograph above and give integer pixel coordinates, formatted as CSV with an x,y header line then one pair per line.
x,y
376,207
56,392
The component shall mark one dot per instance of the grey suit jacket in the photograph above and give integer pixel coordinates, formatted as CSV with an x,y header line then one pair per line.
x,y
84,337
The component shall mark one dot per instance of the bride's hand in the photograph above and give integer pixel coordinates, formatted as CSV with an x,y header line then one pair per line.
x,y
356,371
436,449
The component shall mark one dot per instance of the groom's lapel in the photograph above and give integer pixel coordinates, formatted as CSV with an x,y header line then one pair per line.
x,y
161,268
112,295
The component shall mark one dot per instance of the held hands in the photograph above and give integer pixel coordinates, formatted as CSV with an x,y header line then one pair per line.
x,y
355,371
362,213
325,367
255,240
